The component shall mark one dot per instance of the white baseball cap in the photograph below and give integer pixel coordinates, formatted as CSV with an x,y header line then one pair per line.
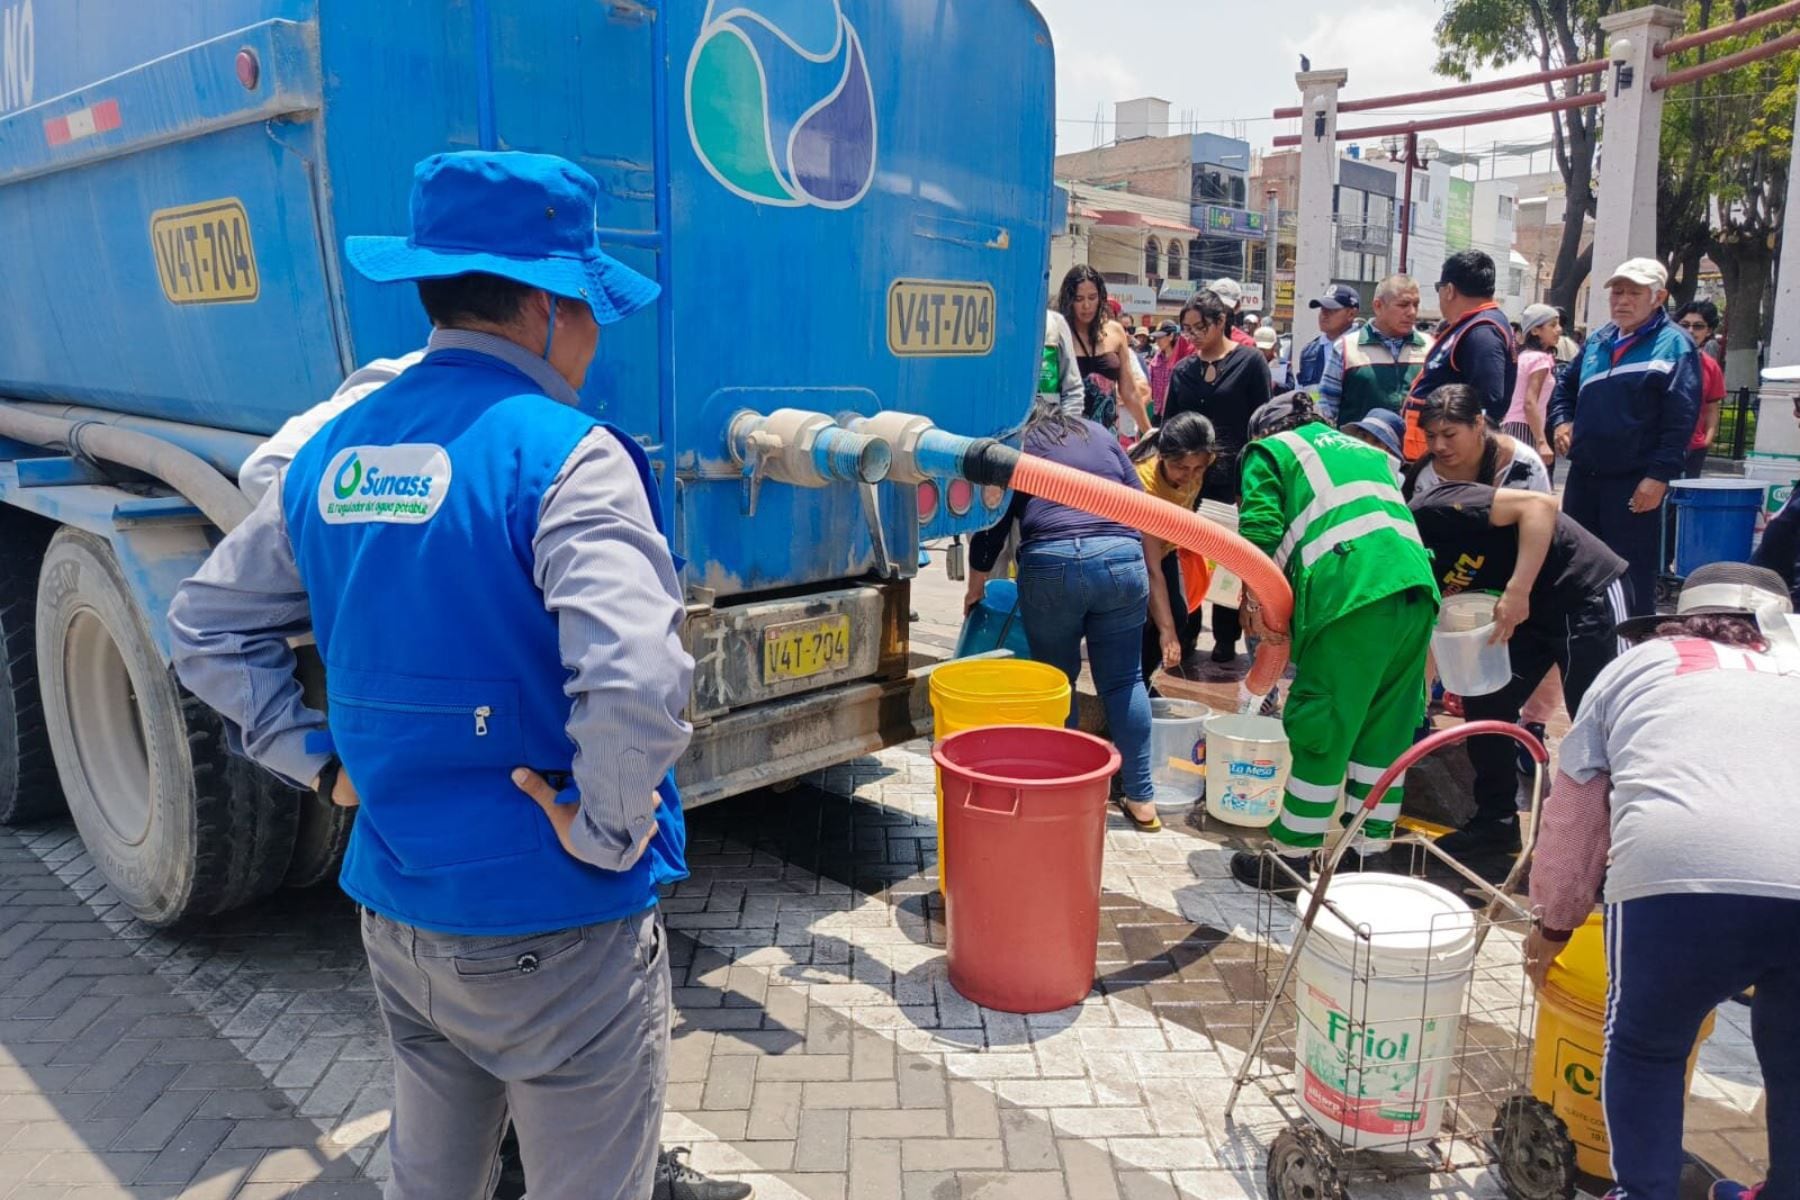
x,y
1645,272
1228,292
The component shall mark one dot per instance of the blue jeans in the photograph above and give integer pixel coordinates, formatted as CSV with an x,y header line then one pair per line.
x,y
1097,588
1672,959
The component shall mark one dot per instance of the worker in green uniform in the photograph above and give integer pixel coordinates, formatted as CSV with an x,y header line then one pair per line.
x,y
1325,507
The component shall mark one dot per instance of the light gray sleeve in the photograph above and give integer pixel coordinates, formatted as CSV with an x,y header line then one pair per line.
x,y
608,576
1074,391
229,627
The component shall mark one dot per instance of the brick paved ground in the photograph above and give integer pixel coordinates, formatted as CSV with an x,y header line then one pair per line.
x,y
819,1048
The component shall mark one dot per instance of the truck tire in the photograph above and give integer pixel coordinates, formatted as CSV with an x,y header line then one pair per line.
x,y
178,825
324,832
29,789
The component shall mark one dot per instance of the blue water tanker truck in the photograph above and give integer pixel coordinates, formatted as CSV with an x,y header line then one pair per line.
x,y
847,203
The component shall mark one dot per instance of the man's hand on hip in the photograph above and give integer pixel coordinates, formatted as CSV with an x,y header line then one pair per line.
x,y
1649,496
562,816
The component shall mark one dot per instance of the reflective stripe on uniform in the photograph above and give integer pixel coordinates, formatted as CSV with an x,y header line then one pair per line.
x,y
1295,823
1371,775
1312,793
1327,497
1332,538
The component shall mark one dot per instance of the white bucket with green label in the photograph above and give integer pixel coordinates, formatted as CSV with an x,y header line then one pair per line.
x,y
1380,1001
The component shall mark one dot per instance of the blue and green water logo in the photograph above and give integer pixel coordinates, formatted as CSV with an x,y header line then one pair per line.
x,y
779,103
348,478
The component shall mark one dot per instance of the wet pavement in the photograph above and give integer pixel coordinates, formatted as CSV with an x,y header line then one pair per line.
x,y
818,1050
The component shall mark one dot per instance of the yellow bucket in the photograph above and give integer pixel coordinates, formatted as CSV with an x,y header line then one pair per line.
x,y
977,693
1570,1043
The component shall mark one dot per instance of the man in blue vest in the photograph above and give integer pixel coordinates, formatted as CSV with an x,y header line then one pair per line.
x,y
1622,415
497,609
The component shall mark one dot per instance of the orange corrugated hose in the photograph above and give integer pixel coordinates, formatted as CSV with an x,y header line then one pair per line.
x,y
1177,526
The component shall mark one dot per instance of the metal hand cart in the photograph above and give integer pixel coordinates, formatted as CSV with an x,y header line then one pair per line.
x,y
1466,1102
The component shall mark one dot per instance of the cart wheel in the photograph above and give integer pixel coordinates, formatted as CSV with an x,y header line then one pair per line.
x,y
1536,1157
1301,1167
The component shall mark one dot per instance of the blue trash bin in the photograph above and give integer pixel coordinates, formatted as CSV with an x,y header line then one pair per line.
x,y
1715,521
996,623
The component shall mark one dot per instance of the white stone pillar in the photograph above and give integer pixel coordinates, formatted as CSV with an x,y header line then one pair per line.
x,y
1784,333
1314,252
1625,225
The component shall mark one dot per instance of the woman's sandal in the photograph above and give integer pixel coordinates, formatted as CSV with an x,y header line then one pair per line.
x,y
1153,825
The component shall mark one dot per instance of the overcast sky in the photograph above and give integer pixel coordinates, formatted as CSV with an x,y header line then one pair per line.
x,y
1228,66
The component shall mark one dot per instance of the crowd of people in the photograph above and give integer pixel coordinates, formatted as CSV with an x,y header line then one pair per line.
x,y
1393,466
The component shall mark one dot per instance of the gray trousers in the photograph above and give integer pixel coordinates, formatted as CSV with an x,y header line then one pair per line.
x,y
566,1032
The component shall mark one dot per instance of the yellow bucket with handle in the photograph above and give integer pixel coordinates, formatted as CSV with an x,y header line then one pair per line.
x,y
1570,1043
979,692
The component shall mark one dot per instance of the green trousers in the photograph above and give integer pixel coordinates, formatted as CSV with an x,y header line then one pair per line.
x,y
1358,696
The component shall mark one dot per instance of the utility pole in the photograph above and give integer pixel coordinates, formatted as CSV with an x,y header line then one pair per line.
x,y
1313,250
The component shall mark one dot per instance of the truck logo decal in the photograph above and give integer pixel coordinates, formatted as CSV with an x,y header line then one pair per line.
x,y
780,107
393,485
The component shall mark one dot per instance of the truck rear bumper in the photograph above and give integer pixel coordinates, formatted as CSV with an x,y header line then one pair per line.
x,y
784,739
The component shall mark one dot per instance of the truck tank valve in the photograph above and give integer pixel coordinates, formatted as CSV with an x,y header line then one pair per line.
x,y
806,449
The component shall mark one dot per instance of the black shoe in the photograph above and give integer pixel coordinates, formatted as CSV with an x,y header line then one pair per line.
x,y
1256,871
1224,652
1526,762
675,1180
1482,838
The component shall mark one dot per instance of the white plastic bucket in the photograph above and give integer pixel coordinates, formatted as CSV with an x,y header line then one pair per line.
x,y
1381,1016
1246,769
1467,662
1177,751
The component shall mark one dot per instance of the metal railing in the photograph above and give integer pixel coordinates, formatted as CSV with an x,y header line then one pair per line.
x,y
1737,425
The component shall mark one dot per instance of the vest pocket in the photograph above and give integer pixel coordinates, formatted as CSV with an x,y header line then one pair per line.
x,y
433,760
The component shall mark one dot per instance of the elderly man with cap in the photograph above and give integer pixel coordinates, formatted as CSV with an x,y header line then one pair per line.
x,y
1375,367
1327,509
1622,414
1674,790
511,745
1337,309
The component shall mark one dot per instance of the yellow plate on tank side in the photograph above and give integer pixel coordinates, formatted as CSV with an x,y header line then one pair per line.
x,y
800,649
932,318
204,254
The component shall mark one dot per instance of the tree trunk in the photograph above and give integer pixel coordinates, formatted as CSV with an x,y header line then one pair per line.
x,y
1747,266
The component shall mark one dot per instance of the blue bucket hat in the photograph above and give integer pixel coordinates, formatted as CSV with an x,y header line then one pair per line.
x,y
1386,427
525,217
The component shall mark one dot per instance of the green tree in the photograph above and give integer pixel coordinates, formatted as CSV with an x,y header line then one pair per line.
x,y
1556,33
1733,133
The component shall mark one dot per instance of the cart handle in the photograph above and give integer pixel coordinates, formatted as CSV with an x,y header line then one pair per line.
x,y
1449,737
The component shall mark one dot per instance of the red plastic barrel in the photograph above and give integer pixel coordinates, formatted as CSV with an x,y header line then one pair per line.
x,y
1025,826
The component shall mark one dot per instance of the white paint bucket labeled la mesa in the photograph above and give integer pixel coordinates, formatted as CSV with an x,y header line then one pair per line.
x,y
1380,1002
1246,769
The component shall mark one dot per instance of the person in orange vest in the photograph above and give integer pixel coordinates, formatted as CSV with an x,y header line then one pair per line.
x,y
1474,344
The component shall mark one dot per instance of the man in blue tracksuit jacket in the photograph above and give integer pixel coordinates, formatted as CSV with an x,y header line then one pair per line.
x,y
496,607
1622,415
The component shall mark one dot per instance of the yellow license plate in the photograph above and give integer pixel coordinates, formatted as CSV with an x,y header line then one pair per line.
x,y
802,648
928,318
204,254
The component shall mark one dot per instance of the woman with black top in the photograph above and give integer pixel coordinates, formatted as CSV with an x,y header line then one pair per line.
x,y
1101,347
1223,382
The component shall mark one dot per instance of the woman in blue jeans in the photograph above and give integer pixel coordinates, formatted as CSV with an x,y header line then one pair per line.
x,y
1082,576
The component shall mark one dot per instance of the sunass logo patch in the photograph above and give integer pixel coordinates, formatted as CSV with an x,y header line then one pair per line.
x,y
399,485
